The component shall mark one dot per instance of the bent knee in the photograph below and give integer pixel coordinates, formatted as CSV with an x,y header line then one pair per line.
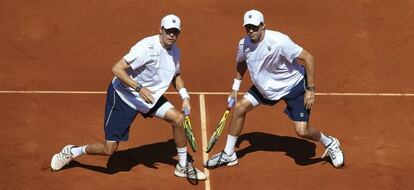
x,y
240,109
110,150
178,120
301,130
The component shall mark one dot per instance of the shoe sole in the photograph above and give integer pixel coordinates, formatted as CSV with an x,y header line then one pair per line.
x,y
179,174
232,163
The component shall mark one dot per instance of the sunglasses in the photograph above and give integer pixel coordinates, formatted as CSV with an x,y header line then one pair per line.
x,y
174,31
250,27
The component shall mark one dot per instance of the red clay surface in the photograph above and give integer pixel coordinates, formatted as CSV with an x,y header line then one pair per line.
x,y
359,46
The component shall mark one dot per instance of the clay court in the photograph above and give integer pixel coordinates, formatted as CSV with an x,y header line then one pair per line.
x,y
56,59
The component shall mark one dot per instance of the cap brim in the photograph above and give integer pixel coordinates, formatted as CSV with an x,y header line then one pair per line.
x,y
252,23
169,27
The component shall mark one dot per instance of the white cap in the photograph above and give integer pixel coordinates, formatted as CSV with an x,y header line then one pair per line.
x,y
171,21
253,17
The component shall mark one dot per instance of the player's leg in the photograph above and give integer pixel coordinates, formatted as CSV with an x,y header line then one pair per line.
x,y
228,157
118,118
331,144
100,148
300,116
304,130
175,118
241,108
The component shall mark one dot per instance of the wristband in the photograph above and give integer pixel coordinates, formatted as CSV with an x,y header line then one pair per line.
x,y
183,93
138,88
310,88
236,85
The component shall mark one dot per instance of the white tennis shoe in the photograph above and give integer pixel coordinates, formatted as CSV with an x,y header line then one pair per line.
x,y
221,159
335,153
62,158
190,172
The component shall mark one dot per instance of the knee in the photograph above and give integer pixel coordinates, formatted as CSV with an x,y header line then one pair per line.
x,y
109,150
239,109
178,121
301,130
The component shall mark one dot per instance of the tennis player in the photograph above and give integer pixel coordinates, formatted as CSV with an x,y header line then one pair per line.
x,y
141,78
271,58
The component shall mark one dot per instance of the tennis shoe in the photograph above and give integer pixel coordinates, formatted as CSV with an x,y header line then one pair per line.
x,y
335,153
189,172
62,158
221,159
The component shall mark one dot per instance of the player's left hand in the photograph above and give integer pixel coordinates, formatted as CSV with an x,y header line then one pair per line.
x,y
309,99
186,106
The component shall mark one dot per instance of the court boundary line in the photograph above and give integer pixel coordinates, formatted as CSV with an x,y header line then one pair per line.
x,y
203,122
205,93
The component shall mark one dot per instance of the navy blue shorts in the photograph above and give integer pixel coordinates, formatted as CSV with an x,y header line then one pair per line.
x,y
295,108
119,116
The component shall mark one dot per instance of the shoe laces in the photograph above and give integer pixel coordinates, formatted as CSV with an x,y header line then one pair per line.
x,y
65,155
189,170
331,150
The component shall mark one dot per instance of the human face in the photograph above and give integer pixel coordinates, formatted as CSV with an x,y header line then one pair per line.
x,y
255,33
169,36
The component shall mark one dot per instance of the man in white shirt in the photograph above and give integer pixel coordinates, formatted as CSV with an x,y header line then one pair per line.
x,y
270,57
141,78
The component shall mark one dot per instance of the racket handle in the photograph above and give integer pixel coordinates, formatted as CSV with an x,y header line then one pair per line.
x,y
230,103
186,112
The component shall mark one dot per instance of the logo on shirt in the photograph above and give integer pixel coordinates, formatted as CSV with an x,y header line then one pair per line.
x,y
302,114
269,48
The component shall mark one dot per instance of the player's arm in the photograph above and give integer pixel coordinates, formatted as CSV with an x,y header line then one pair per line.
x,y
309,63
119,70
240,71
178,84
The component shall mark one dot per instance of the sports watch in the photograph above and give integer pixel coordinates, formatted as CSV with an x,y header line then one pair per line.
x,y
138,88
310,88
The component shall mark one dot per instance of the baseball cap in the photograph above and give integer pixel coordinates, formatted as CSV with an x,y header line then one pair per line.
x,y
253,17
171,21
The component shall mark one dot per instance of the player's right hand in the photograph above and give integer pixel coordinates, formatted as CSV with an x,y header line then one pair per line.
x,y
186,107
232,98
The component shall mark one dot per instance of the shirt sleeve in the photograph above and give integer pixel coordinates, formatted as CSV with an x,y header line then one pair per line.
x,y
290,50
241,56
137,56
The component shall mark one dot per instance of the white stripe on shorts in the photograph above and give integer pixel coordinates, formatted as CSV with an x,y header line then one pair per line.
x,y
251,99
160,113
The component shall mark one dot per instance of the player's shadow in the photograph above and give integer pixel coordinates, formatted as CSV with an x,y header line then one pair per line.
x,y
300,150
148,155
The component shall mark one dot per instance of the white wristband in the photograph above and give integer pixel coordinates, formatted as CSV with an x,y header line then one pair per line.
x,y
236,85
183,93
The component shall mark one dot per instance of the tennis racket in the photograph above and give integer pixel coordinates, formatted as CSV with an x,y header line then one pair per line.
x,y
189,130
220,127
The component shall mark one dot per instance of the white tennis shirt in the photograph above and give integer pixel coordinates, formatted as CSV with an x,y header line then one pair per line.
x,y
272,64
153,67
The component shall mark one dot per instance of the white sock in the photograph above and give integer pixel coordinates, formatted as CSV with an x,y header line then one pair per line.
x,y
77,151
325,140
231,142
182,156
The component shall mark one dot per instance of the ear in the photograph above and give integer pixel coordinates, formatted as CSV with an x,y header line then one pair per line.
x,y
161,30
263,26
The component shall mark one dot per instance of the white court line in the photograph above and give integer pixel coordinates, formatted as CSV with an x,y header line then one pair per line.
x,y
204,138
200,93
